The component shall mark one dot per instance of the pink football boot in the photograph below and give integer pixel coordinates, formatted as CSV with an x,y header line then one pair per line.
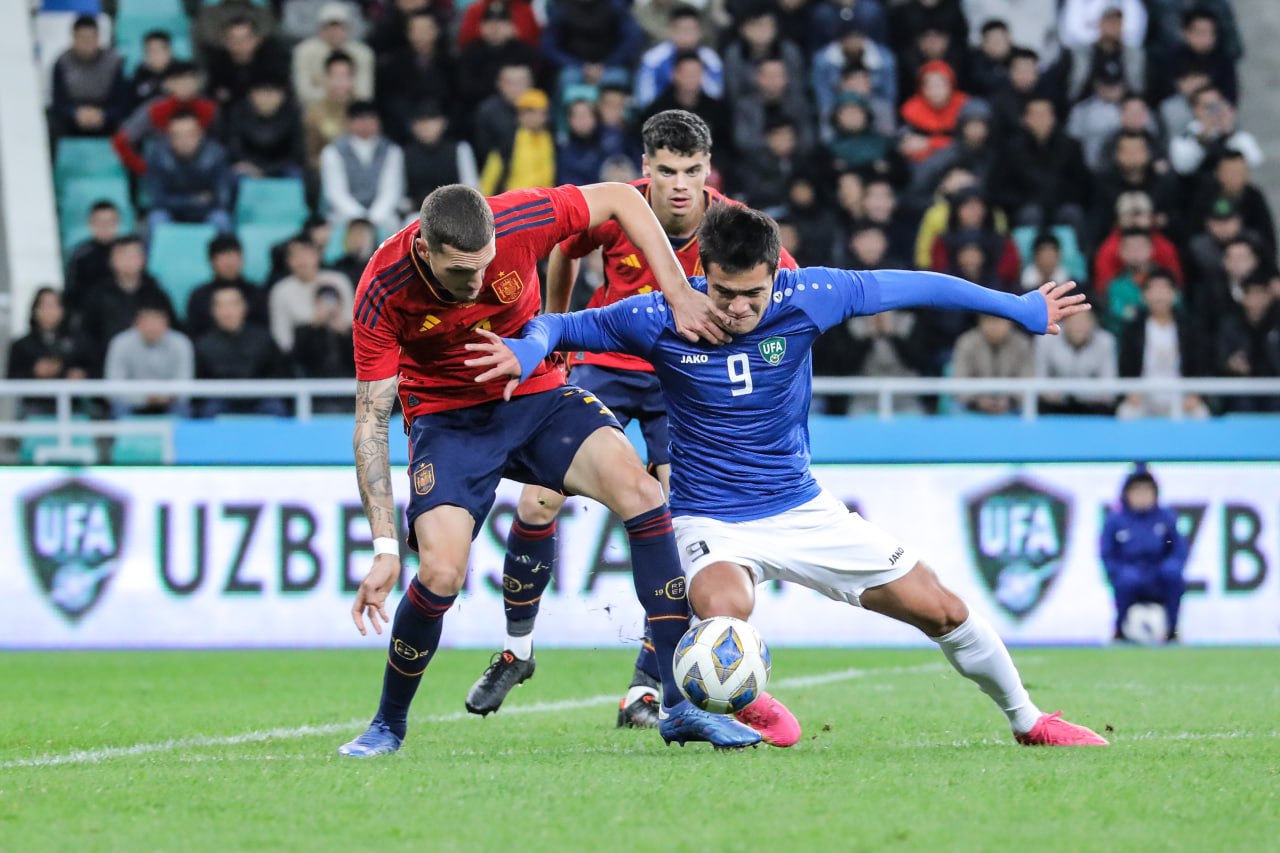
x,y
777,726
1052,730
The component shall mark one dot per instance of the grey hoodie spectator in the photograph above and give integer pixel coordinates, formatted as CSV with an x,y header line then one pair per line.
x,y
1097,118
1082,351
1110,47
994,350
774,96
90,93
149,351
1031,22
188,177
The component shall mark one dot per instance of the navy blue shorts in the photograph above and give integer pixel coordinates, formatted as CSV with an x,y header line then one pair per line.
x,y
458,456
633,395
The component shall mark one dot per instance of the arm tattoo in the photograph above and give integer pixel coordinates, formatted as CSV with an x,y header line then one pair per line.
x,y
374,403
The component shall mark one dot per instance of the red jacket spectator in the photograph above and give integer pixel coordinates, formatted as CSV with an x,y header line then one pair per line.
x,y
520,12
153,118
934,110
1107,265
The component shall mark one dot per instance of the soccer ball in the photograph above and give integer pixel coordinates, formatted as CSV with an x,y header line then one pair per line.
x,y
722,665
1146,624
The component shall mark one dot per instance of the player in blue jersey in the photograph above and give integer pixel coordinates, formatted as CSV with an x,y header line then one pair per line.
x,y
746,506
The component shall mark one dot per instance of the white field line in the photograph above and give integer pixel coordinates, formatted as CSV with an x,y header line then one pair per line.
x,y
93,756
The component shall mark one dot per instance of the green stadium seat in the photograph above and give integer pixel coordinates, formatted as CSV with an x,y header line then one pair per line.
x,y
77,195
257,240
149,10
86,158
34,449
271,201
139,448
179,259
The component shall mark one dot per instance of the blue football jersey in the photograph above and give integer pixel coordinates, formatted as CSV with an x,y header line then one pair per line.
x,y
739,413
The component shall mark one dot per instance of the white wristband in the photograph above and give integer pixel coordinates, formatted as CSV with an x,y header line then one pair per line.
x,y
386,545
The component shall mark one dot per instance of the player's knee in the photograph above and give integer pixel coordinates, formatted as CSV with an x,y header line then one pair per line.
x,y
538,507
443,577
636,493
721,590
944,614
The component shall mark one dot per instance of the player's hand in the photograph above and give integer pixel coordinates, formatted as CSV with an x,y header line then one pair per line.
x,y
371,598
500,360
697,318
1062,303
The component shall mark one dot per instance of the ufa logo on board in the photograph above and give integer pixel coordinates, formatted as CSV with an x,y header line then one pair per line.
x,y
1018,535
74,535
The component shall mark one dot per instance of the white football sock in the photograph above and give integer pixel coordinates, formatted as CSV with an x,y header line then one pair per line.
x,y
521,647
978,653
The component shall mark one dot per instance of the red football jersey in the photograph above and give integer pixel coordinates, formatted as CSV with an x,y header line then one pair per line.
x,y
406,324
626,273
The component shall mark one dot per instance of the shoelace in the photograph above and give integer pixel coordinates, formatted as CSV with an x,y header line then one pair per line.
x,y
500,658
752,715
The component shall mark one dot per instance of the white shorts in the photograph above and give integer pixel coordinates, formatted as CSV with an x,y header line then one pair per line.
x,y
819,544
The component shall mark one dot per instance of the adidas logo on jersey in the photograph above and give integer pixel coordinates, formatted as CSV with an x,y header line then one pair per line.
x,y
632,261
429,322
694,359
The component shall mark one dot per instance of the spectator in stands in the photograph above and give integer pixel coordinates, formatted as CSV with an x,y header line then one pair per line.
x,y
1136,117
684,33
1249,343
932,114
1222,226
855,143
416,73
973,150
292,300
1200,50
264,133
236,349
188,177
1046,262
495,119
324,120
589,39
972,220
757,37
149,122
299,19
1211,133
1080,21
358,245
362,172
388,34
90,262
776,98
226,258
1134,210
481,63
1082,352
1230,181
434,158
1144,552
811,30
815,222
936,217
1223,294
909,18
932,44
994,350
245,56
1033,23
1160,342
856,79
686,92
852,47
110,309
1176,112
989,64
584,148
148,78
322,347
334,35
1107,51
523,18
882,345
1043,179
1097,118
150,351
1008,104
1132,169
1123,293
48,351
530,159
90,93
767,170
880,208
317,229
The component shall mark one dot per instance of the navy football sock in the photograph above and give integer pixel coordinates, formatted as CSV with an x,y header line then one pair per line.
x,y
526,571
660,586
646,672
415,635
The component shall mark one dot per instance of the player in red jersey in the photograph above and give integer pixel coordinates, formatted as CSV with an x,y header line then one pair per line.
x,y
467,264
677,161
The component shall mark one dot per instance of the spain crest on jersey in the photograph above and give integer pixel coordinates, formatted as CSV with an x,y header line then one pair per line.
x,y
508,287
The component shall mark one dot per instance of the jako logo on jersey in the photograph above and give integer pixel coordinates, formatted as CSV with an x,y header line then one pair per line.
x,y
772,350
429,322
1017,536
508,287
632,261
74,533
694,359
424,478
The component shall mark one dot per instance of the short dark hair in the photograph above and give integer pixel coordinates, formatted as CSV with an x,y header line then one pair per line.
x,y
183,115
1198,13
456,215
302,238
737,239
687,55
1231,154
224,243
994,24
338,56
683,10
103,204
362,109
220,286
1200,93
85,22
1046,238
126,240
678,131
1161,273
241,21
1132,134
1023,53
157,35
152,302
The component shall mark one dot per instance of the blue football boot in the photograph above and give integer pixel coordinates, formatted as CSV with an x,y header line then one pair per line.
x,y
378,739
686,722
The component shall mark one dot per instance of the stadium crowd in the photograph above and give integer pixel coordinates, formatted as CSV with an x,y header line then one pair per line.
x,y
1009,142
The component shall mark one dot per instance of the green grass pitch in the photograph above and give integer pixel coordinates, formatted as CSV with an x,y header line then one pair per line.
x,y
223,751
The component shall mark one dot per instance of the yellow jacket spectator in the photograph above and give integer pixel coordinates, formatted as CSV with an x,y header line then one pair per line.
x,y
530,161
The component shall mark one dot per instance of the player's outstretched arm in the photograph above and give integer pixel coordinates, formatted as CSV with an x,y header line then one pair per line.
x,y
375,402
696,318
1038,311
